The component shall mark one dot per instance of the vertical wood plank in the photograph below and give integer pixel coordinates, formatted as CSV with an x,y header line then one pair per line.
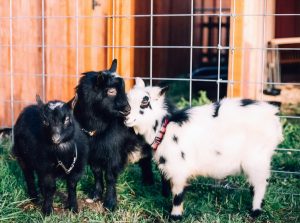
x,y
235,71
93,35
4,65
60,53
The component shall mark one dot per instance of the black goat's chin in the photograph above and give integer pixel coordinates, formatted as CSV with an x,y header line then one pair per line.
x,y
64,145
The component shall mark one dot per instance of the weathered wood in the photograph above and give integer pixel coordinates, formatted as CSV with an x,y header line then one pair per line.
x,y
26,56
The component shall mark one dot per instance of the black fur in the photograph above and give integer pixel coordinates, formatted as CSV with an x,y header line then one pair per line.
x,y
176,217
218,153
246,102
182,155
155,126
43,136
179,117
217,106
112,142
162,160
255,213
178,198
175,138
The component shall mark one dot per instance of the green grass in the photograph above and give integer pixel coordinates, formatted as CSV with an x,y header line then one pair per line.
x,y
206,199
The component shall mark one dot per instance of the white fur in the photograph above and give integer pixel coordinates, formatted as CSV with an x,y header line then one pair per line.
x,y
54,105
240,138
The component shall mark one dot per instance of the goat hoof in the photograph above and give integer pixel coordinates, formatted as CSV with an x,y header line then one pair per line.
x,y
176,217
35,200
255,213
47,210
95,197
110,205
74,209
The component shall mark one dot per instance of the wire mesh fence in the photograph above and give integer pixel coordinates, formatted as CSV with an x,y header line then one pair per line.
x,y
198,31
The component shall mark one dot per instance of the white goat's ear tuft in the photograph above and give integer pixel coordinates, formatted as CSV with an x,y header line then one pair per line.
x,y
139,82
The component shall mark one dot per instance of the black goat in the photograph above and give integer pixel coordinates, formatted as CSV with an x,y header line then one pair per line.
x,y
49,142
100,109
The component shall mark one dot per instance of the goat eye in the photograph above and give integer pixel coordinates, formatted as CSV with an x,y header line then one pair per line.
x,y
112,92
45,123
145,102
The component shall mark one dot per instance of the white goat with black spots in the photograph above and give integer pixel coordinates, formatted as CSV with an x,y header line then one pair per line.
x,y
215,140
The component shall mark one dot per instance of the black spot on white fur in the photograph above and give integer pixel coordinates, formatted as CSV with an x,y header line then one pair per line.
x,y
141,112
175,138
162,160
180,117
178,199
217,106
218,153
182,155
155,126
246,102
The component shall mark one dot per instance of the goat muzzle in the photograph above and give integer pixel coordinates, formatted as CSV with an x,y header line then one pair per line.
x,y
126,110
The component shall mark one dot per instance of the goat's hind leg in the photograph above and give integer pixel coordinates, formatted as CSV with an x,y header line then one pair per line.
x,y
29,179
178,190
258,174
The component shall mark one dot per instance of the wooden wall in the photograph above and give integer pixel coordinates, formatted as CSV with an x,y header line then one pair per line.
x,y
60,52
63,61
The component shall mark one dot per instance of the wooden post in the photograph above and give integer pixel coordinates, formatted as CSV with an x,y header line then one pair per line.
x,y
250,41
235,69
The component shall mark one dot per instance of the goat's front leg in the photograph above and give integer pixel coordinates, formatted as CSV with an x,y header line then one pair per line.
x,y
98,177
178,194
147,174
72,198
166,187
48,187
110,200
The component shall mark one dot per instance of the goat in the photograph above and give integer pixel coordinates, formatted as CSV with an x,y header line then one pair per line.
x,y
100,109
215,140
49,142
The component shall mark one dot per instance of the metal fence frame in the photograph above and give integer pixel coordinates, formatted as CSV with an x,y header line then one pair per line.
x,y
219,47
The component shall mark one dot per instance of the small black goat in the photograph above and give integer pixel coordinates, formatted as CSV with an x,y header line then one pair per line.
x,y
49,142
100,110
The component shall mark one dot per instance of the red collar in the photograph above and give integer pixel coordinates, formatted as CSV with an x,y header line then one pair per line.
x,y
159,137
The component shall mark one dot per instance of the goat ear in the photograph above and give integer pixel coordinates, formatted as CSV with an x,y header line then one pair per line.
x,y
39,100
139,82
113,67
73,102
163,90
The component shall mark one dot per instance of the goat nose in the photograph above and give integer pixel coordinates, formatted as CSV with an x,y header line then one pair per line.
x,y
127,108
56,138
